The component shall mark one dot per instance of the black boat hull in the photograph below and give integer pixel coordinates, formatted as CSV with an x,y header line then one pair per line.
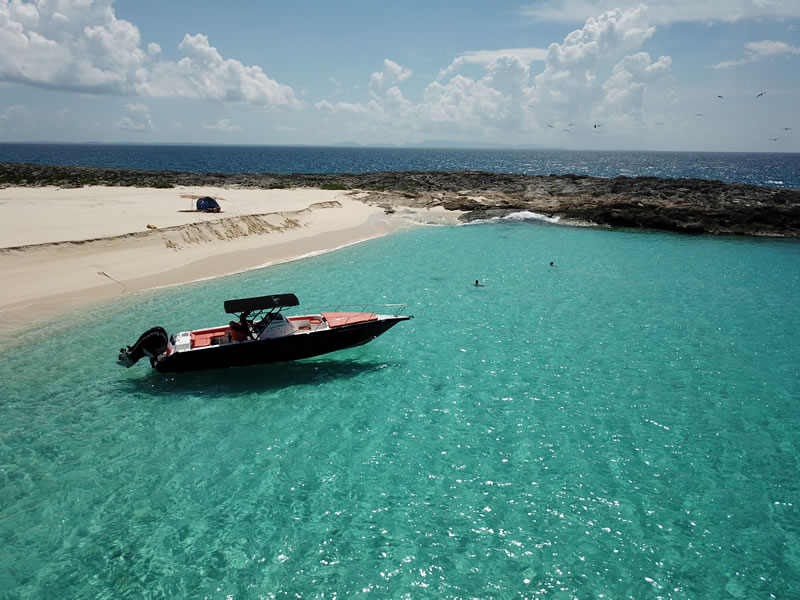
x,y
292,347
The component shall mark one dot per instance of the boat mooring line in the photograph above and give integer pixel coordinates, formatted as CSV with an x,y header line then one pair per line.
x,y
104,274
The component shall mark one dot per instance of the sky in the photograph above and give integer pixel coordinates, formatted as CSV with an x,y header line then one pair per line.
x,y
685,75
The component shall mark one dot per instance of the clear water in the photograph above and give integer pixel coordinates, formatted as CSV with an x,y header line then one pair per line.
x,y
622,425
768,169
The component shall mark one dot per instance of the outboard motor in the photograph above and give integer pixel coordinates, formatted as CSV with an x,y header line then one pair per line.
x,y
152,342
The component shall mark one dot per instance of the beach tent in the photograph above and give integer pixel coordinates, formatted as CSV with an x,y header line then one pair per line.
x,y
208,204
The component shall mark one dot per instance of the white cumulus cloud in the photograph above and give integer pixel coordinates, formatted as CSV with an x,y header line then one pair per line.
x,y
486,57
666,11
80,45
576,82
203,74
392,73
346,107
599,70
137,119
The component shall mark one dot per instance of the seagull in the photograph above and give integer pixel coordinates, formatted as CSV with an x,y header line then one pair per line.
x,y
567,130
721,97
698,114
571,125
787,128
551,127
761,94
773,139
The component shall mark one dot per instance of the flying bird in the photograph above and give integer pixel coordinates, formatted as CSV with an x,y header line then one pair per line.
x,y
571,125
787,128
567,130
698,114
773,139
721,97
659,123
596,125
551,127
761,94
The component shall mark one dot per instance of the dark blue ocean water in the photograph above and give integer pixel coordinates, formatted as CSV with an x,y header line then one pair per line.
x,y
771,169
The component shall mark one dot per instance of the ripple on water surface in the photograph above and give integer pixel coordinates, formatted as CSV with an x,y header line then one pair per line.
x,y
619,425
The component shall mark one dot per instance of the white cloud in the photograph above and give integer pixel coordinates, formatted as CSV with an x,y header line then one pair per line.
x,y
203,74
81,46
597,71
570,88
485,57
346,107
755,51
138,119
666,11
223,125
14,112
624,90
392,73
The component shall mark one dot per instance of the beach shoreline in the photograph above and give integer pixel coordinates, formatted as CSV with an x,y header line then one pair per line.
x,y
70,236
681,205
61,249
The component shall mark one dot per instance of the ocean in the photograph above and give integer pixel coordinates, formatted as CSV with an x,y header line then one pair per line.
x,y
622,424
770,169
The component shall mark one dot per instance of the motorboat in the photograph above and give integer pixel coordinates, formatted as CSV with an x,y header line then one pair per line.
x,y
262,333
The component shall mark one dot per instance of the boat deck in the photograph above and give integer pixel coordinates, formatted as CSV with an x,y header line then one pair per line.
x,y
216,336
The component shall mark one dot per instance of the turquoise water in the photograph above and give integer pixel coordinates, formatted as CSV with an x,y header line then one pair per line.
x,y
622,425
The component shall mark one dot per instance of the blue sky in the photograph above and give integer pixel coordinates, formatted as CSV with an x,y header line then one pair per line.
x,y
580,74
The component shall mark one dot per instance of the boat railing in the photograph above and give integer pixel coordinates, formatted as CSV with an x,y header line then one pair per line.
x,y
382,309
337,315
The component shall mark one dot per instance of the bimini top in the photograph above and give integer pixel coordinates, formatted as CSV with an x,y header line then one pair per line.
x,y
261,303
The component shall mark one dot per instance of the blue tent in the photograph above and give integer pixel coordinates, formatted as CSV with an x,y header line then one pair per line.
x,y
208,204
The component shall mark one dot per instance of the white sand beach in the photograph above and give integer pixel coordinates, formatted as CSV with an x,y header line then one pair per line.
x,y
61,248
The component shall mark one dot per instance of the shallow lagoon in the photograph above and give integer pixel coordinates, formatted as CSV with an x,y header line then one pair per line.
x,y
622,424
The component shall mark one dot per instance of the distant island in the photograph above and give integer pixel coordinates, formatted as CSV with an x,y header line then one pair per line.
x,y
679,205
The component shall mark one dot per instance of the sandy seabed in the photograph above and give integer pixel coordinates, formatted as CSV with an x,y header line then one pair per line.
x,y
61,248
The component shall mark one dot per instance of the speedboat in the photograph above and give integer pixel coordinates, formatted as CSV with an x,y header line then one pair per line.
x,y
261,333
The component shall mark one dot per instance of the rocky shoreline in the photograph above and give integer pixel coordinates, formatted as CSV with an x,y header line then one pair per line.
x,y
680,205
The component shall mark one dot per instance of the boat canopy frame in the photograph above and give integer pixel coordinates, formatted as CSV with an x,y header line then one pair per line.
x,y
261,303
261,309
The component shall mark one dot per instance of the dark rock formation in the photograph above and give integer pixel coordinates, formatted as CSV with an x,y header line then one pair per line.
x,y
684,205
